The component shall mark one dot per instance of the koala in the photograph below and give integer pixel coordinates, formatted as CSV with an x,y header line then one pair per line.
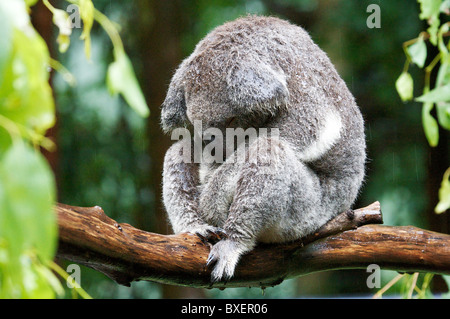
x,y
260,72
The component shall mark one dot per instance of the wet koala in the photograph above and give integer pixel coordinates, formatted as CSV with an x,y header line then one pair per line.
x,y
260,72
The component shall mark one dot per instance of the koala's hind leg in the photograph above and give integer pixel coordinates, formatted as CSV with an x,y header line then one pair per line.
x,y
217,194
262,202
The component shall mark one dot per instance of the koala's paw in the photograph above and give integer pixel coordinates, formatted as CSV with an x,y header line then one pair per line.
x,y
209,234
225,254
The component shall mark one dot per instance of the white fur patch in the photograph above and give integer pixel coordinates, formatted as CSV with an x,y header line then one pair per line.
x,y
329,134
203,172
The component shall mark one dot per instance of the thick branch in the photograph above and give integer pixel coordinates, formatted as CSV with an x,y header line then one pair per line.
x,y
125,254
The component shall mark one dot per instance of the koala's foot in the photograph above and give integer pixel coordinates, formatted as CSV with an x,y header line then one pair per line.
x,y
209,234
225,255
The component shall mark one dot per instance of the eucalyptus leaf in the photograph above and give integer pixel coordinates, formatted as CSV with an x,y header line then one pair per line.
x,y
443,76
429,11
439,94
64,42
87,15
33,285
62,21
429,8
445,7
418,52
441,43
5,42
405,86
49,283
443,114
444,194
433,30
31,3
28,195
25,94
430,125
121,79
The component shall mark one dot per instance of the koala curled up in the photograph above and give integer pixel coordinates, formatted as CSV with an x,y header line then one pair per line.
x,y
260,72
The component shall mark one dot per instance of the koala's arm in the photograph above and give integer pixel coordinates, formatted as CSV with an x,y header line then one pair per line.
x,y
181,193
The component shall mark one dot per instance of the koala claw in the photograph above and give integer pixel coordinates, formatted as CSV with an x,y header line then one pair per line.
x,y
225,255
209,234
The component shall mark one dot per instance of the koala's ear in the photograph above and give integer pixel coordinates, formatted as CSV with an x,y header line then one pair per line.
x,y
257,86
173,110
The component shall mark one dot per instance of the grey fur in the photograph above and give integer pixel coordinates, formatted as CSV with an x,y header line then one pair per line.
x,y
262,72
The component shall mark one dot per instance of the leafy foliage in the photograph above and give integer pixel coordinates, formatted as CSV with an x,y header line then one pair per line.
x,y
28,235
26,102
444,191
439,96
416,53
27,186
121,79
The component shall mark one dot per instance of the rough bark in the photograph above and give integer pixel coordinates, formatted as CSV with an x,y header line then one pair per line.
x,y
351,240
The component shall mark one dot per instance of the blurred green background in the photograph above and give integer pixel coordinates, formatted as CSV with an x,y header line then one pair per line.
x,y
109,156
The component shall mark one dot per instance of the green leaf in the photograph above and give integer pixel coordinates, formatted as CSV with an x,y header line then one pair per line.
x,y
430,125
443,76
443,114
62,21
49,284
5,42
29,230
87,15
439,94
405,86
441,43
63,41
444,194
25,94
429,8
433,30
30,3
445,7
26,202
29,96
418,52
120,78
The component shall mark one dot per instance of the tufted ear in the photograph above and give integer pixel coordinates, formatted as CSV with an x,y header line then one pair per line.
x,y
257,86
173,109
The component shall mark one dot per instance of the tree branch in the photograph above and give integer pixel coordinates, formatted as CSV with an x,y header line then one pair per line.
x,y
125,254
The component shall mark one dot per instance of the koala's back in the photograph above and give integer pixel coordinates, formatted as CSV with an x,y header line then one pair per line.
x,y
229,76
318,97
